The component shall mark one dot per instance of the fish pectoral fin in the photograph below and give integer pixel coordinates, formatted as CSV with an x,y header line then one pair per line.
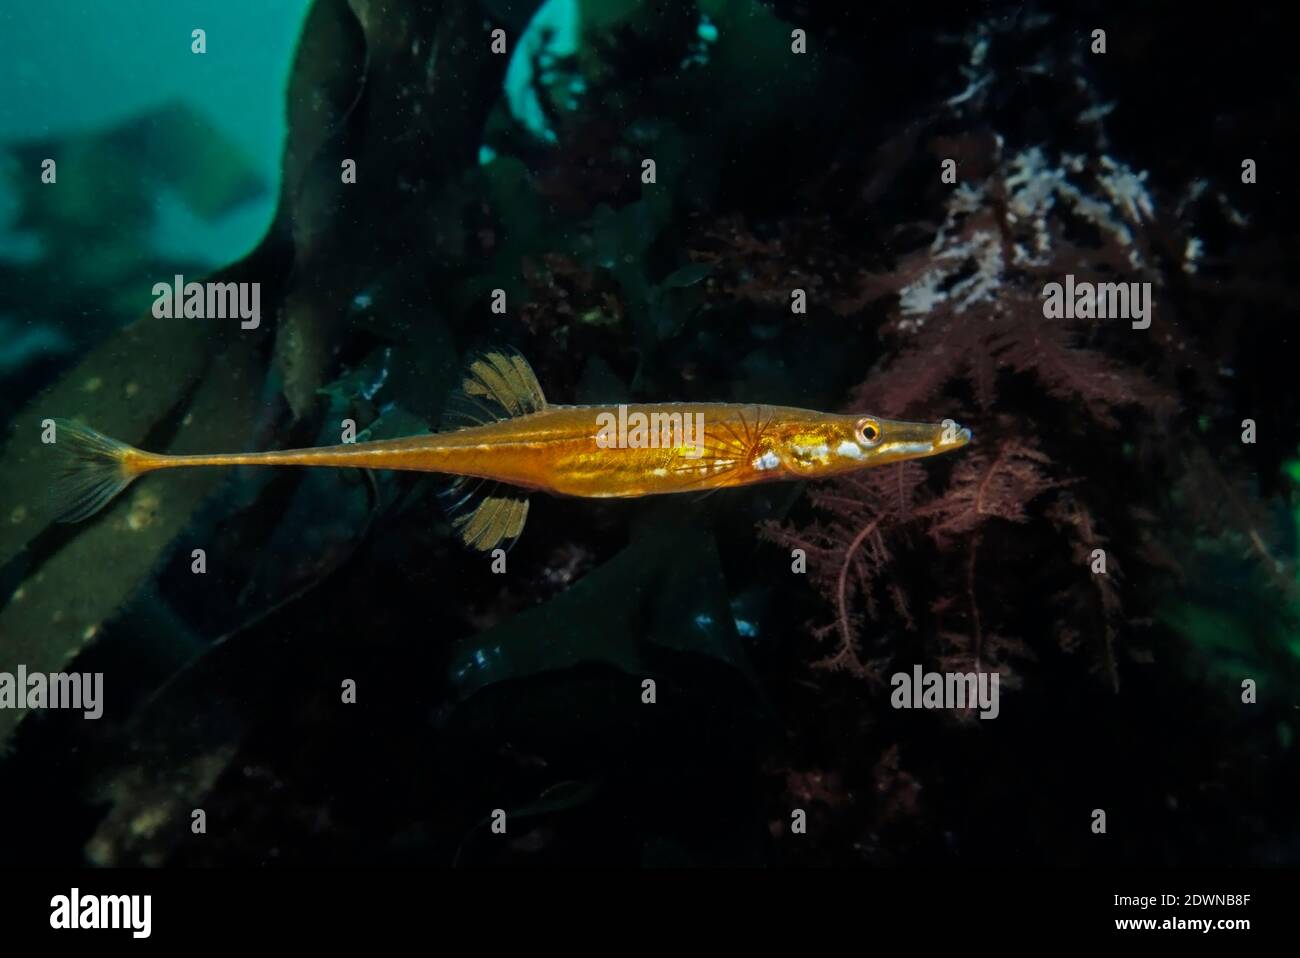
x,y
708,468
485,515
498,384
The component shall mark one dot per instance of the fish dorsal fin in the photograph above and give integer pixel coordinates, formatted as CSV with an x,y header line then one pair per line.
x,y
498,384
485,515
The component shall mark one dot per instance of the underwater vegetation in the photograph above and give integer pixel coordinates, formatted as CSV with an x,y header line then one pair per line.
x,y
71,257
923,299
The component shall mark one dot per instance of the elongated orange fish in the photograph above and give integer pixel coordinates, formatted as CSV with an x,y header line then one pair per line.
x,y
510,441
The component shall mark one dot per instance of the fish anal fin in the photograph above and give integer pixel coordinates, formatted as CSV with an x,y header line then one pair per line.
x,y
486,515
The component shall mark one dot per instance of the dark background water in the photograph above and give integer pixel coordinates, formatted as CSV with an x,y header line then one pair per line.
x,y
523,691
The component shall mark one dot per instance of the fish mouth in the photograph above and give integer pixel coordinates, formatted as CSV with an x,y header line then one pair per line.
x,y
961,435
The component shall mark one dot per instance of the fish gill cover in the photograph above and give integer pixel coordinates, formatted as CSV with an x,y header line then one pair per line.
x,y
717,200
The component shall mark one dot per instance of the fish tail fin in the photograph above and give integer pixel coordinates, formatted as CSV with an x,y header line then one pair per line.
x,y
94,469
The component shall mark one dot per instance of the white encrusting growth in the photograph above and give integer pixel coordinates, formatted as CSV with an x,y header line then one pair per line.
x,y
968,260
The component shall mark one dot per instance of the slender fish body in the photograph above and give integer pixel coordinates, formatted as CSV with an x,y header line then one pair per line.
x,y
512,442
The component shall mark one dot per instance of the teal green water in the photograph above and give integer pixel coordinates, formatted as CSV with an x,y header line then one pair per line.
x,y
72,66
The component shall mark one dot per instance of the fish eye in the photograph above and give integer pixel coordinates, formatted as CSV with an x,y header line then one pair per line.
x,y
868,433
